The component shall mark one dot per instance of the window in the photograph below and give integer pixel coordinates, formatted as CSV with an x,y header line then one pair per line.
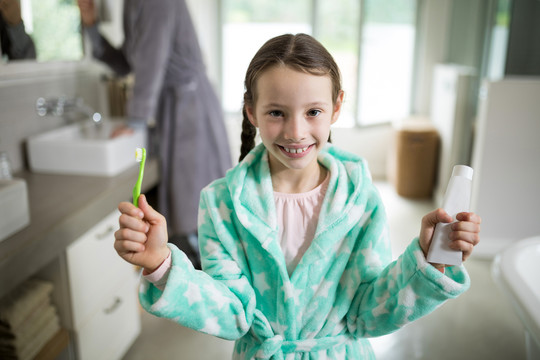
x,y
246,27
371,40
386,60
54,25
498,40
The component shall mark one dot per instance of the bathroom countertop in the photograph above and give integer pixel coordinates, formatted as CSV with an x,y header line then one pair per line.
x,y
62,208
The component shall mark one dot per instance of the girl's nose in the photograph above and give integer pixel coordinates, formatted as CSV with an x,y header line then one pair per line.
x,y
295,128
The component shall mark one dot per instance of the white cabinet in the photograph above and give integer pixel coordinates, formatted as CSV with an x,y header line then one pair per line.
x,y
103,291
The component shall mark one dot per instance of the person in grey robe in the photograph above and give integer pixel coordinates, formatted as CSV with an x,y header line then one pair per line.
x,y
172,90
15,43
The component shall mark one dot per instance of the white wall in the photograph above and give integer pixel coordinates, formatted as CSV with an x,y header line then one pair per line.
x,y
205,15
371,143
433,37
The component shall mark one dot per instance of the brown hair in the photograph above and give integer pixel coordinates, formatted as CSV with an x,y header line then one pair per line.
x,y
300,52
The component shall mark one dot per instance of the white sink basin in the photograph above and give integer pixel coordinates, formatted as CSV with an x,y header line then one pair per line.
x,y
83,149
14,212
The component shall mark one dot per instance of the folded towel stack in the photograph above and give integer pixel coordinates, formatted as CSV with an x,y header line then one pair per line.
x,y
28,320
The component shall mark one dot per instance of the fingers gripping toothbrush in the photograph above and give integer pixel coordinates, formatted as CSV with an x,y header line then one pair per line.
x,y
140,156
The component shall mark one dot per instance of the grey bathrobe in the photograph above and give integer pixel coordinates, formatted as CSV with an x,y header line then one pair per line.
x,y
171,86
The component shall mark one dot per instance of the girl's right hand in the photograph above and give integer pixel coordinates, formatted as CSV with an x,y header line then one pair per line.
x,y
142,237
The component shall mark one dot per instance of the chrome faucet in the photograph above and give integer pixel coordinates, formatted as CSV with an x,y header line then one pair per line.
x,y
68,108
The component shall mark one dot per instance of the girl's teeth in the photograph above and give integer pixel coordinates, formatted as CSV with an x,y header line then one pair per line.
x,y
295,151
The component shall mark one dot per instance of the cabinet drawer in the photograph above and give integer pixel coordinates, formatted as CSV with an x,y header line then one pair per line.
x,y
95,269
112,329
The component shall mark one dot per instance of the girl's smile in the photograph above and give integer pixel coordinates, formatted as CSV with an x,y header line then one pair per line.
x,y
296,152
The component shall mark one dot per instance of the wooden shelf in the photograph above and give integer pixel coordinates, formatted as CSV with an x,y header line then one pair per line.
x,y
55,346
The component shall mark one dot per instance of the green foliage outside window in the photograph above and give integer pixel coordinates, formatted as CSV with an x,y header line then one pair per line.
x,y
56,30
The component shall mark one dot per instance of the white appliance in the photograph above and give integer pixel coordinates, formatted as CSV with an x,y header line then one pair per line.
x,y
506,160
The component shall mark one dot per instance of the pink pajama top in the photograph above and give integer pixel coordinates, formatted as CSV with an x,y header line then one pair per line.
x,y
298,215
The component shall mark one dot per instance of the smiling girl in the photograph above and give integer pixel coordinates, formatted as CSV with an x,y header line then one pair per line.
x,y
294,240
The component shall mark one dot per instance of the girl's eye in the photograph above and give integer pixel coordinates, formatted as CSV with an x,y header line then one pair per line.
x,y
313,112
275,113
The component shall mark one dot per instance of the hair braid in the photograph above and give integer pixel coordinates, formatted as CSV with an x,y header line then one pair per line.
x,y
248,136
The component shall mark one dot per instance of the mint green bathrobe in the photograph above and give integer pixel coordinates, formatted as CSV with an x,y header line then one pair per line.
x,y
344,289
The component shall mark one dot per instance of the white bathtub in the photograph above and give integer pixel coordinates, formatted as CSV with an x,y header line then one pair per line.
x,y
517,272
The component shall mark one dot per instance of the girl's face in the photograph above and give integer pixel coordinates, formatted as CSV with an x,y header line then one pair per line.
x,y
293,111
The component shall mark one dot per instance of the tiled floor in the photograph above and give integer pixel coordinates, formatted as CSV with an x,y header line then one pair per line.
x,y
478,325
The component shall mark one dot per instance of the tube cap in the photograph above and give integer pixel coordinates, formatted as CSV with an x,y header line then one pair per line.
x,y
463,170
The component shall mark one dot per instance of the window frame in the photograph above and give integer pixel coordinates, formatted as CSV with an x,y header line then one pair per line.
x,y
315,6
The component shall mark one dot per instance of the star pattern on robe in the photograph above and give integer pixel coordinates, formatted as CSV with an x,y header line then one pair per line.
x,y
229,267
211,326
201,217
224,212
384,297
342,248
217,296
349,276
192,293
212,248
339,199
380,310
261,283
244,219
357,216
160,304
340,353
278,327
291,292
372,257
322,290
407,297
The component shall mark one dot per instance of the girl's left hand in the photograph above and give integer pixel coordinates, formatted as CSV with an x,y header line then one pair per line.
x,y
465,234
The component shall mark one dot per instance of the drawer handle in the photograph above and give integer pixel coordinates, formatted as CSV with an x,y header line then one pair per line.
x,y
105,234
117,302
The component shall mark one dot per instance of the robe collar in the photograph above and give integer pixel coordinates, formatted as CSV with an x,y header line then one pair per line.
x,y
250,186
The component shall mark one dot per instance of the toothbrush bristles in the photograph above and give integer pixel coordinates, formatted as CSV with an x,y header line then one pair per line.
x,y
138,154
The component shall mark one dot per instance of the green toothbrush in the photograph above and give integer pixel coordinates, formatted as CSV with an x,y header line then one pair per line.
x,y
140,156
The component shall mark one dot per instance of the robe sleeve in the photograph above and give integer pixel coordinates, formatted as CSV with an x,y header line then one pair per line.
x,y
105,52
219,301
21,44
150,53
391,296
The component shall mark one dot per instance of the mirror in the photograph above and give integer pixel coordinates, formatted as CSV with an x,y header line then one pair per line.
x,y
53,26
